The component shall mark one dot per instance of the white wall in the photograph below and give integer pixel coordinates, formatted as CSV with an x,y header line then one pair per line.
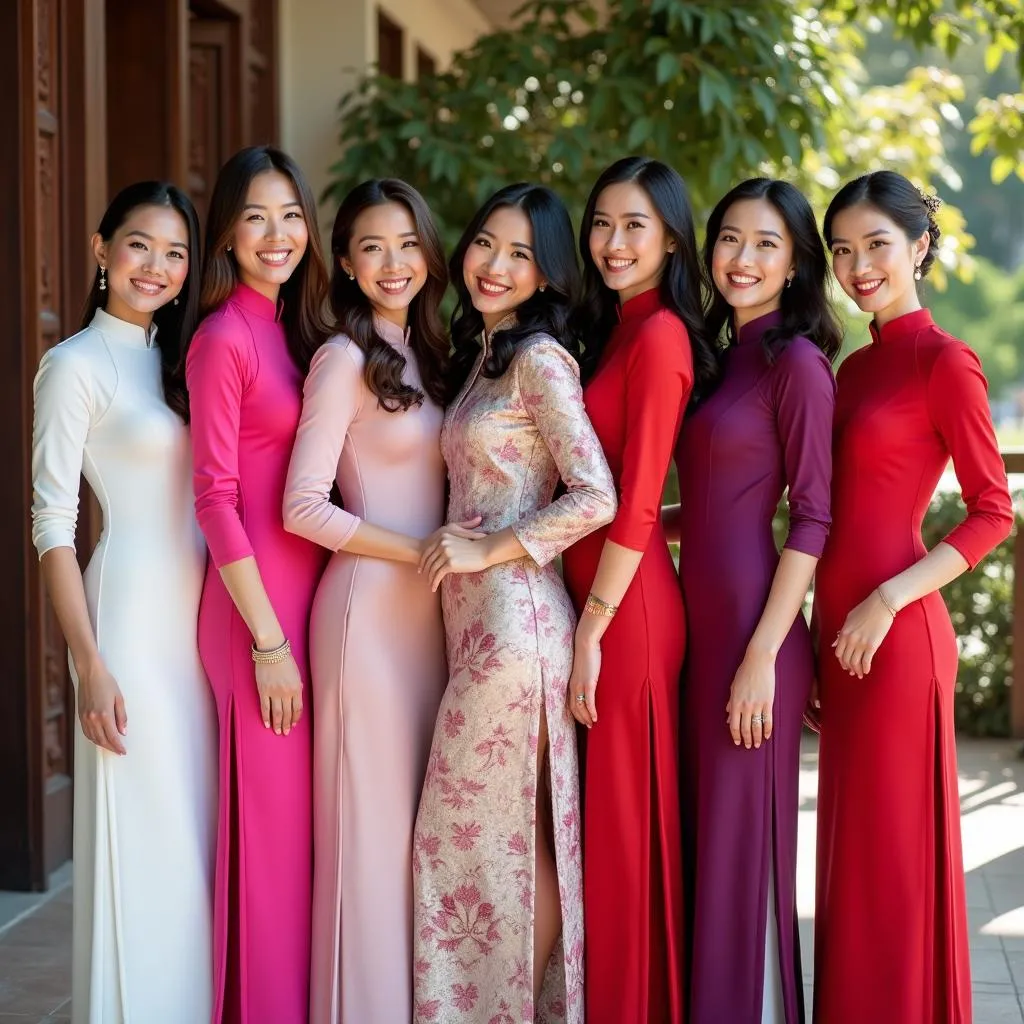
x,y
441,27
327,44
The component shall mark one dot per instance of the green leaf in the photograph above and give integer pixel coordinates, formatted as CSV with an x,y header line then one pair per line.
x,y
639,133
667,69
993,57
1002,167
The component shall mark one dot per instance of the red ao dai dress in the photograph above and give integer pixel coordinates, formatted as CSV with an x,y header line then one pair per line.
x,y
507,442
891,940
633,899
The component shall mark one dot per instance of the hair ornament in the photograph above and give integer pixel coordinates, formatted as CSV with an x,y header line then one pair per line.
x,y
931,202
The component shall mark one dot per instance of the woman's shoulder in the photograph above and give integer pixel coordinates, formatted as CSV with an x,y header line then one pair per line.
x,y
340,353
83,354
543,350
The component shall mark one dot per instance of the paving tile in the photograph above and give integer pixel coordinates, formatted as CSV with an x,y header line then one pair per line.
x,y
997,1009
990,965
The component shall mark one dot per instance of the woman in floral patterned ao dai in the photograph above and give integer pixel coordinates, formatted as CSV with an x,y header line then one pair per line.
x,y
497,868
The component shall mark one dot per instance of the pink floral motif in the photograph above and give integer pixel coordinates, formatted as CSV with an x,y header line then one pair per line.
x,y
517,844
508,452
464,837
509,631
461,794
453,722
464,997
492,750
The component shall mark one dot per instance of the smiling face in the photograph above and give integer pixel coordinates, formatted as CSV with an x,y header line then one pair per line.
x,y
628,240
874,261
147,262
271,234
500,268
752,259
387,260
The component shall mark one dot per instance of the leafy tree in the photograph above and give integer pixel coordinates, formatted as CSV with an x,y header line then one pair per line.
x,y
720,92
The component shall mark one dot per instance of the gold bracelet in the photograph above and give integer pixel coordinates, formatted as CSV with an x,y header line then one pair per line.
x,y
596,606
272,657
888,607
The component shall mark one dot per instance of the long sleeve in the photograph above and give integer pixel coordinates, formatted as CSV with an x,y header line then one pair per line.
x,y
804,399
219,368
548,380
62,414
659,378
958,405
331,400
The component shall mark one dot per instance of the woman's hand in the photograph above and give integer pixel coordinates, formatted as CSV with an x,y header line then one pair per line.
x,y
751,697
586,667
101,707
456,547
862,634
280,690
812,712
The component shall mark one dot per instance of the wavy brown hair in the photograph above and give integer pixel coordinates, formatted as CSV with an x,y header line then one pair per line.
x,y
354,313
175,321
305,292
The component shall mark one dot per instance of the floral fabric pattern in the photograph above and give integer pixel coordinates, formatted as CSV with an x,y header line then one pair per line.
x,y
507,443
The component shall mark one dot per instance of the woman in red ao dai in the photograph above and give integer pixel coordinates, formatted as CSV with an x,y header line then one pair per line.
x,y
645,348
891,919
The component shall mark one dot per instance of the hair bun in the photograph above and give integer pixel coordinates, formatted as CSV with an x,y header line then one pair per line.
x,y
931,202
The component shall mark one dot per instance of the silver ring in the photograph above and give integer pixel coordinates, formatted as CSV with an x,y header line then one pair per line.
x,y
756,719
580,698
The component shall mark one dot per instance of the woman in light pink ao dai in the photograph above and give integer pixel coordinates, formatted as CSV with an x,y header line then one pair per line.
x,y
371,421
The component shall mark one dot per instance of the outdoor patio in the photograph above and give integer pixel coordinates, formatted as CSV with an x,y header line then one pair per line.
x,y
35,932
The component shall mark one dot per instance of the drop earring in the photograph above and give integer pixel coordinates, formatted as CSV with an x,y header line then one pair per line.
x,y
789,281
351,277
175,301
917,272
228,249
103,279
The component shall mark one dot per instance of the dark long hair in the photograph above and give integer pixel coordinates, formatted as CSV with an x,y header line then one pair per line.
x,y
305,292
681,288
550,310
174,323
804,304
899,199
354,314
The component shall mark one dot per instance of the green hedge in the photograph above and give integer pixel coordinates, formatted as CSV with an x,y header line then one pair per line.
x,y
981,606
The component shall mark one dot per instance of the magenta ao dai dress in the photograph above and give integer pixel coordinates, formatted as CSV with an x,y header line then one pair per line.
x,y
246,399
507,442
378,662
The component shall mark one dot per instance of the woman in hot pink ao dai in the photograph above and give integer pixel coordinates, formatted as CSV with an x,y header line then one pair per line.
x,y
244,370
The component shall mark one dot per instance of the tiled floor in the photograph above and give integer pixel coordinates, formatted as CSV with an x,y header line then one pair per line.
x,y
35,947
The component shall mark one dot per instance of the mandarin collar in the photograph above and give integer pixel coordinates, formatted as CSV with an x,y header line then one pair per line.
x,y
507,321
122,332
901,326
640,305
390,332
754,330
253,302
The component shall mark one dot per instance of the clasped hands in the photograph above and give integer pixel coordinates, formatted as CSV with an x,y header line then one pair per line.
x,y
455,548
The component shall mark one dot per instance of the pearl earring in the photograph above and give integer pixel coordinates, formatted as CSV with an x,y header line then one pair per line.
x,y
103,279
917,272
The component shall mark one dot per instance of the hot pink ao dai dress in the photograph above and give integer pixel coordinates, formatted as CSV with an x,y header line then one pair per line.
x,y
246,400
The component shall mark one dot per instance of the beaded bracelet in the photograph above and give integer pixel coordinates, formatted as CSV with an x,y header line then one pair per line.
x,y
271,657
596,606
